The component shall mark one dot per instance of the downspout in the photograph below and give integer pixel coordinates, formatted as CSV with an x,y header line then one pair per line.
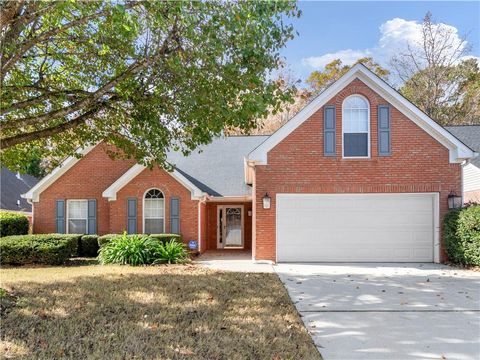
x,y
199,217
33,209
462,166
254,214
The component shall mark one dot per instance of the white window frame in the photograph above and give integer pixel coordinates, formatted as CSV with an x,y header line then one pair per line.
x,y
68,218
368,128
143,209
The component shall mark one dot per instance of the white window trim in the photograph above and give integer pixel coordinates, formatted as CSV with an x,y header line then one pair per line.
x,y
368,134
143,209
69,201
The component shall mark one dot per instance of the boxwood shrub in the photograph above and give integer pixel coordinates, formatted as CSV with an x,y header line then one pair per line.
x,y
12,223
105,239
88,246
462,235
49,249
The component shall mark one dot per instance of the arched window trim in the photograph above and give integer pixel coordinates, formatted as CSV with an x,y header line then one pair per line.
x,y
143,208
368,128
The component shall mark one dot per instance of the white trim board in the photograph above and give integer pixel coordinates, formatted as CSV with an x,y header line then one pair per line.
x,y
458,151
33,195
111,191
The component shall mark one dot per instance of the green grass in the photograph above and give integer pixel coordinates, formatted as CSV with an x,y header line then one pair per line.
x,y
161,312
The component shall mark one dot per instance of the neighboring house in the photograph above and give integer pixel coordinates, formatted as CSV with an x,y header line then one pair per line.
x,y
12,186
360,174
469,135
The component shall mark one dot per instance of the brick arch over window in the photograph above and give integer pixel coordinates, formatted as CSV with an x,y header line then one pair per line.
x,y
359,88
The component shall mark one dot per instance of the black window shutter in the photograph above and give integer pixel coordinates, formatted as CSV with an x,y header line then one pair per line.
x,y
329,131
92,216
384,131
132,215
175,215
60,216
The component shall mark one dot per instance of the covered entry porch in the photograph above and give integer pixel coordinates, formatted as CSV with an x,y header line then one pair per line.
x,y
228,227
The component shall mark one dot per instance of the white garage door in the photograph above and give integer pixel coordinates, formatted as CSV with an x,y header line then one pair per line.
x,y
355,227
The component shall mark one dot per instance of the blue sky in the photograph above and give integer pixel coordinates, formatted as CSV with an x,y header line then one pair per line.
x,y
351,29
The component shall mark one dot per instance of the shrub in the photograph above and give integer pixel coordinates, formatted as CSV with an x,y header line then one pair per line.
x,y
462,235
105,239
126,249
166,237
12,223
171,252
49,249
88,245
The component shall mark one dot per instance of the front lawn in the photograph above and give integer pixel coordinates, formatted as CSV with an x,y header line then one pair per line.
x,y
161,312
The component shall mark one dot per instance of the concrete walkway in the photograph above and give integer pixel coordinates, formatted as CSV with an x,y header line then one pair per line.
x,y
232,260
387,311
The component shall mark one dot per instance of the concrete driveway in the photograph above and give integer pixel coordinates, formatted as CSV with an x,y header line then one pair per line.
x,y
387,311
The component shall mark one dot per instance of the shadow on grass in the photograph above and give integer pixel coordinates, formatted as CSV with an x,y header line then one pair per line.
x,y
177,313
82,261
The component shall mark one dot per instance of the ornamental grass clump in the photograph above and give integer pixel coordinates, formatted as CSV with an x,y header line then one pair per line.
x,y
141,250
171,252
126,250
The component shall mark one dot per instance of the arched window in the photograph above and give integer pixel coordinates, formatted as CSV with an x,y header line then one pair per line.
x,y
356,127
153,212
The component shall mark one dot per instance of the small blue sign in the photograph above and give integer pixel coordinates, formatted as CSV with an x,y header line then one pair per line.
x,y
192,244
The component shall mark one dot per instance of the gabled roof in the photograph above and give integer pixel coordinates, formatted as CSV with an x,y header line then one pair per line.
x,y
111,191
217,170
34,193
458,151
13,185
470,136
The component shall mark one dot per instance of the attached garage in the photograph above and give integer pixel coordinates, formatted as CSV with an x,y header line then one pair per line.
x,y
357,227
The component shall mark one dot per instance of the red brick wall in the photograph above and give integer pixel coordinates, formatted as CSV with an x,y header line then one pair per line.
x,y
162,180
211,224
296,165
87,179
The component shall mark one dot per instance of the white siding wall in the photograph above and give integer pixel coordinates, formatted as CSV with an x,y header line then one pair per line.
x,y
471,178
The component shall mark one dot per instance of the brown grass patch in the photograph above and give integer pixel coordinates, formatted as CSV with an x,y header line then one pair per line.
x,y
164,312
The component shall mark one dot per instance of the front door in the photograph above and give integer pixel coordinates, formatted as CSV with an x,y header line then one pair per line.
x,y
230,227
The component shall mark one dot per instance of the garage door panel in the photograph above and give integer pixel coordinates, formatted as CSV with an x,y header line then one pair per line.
x,y
354,227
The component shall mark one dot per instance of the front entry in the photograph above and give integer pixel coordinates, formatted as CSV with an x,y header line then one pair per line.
x,y
230,227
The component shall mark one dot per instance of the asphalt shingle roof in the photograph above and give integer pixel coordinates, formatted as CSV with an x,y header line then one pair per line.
x,y
12,186
470,136
218,169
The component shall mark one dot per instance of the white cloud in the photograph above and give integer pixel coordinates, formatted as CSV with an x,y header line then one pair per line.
x,y
348,56
395,35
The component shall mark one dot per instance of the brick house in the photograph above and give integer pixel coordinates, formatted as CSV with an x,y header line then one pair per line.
x,y
360,174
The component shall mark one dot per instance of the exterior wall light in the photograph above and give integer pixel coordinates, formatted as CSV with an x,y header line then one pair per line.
x,y
266,201
454,201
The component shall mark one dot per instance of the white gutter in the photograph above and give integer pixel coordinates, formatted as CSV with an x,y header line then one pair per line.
x,y
245,198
